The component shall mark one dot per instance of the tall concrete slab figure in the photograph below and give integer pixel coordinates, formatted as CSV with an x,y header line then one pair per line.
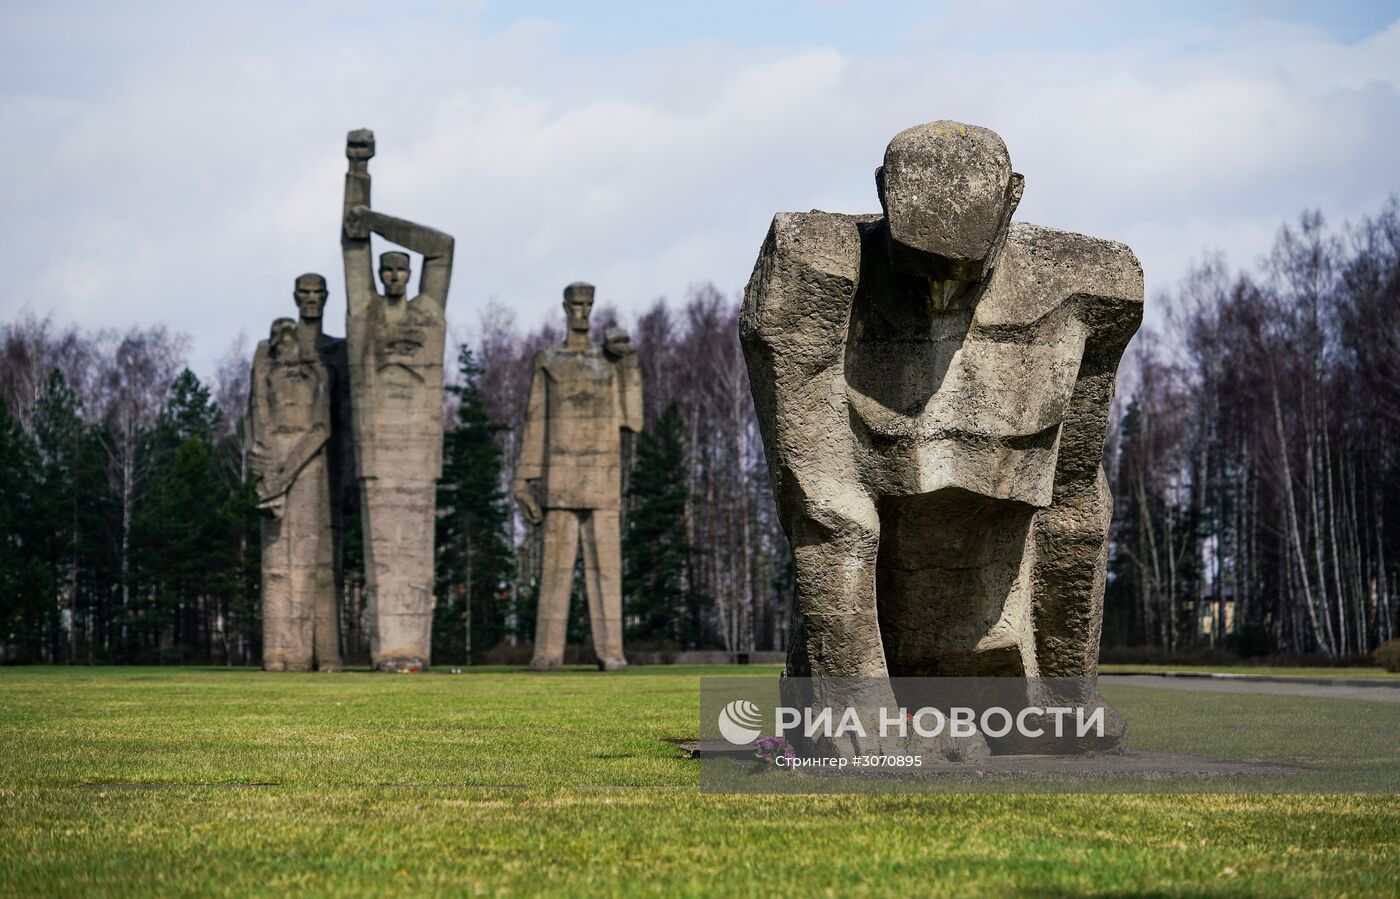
x,y
290,421
933,387
581,397
395,349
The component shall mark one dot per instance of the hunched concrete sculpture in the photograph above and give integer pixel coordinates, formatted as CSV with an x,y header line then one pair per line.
x,y
568,480
291,400
933,387
395,350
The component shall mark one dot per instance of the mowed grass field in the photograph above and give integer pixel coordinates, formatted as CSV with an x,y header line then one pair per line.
x,y
141,782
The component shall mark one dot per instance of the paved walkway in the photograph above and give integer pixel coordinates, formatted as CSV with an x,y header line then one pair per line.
x,y
1387,692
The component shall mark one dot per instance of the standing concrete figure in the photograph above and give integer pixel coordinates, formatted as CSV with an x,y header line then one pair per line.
x,y
933,389
567,479
290,425
395,348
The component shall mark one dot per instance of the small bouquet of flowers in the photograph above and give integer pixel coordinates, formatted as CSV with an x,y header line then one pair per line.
x,y
770,749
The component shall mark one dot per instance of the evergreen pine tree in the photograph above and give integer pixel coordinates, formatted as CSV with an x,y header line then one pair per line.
x,y
58,440
181,529
22,569
474,557
656,602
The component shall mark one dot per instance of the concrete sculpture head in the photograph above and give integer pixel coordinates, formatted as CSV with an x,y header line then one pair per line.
x,y
310,295
394,271
578,305
359,146
948,192
282,340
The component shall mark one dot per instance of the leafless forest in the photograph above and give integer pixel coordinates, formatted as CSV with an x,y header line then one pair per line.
x,y
1255,462
1253,457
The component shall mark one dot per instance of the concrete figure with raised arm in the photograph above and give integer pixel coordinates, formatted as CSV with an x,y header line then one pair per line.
x,y
581,397
289,428
395,350
933,387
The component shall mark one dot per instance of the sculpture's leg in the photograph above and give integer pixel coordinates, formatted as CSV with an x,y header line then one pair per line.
x,y
837,630
312,637
369,593
954,586
836,641
326,621
1071,557
399,520
290,572
1071,551
602,579
325,618
561,533
302,515
276,594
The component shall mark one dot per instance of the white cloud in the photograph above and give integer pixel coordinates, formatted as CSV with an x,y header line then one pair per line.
x,y
190,177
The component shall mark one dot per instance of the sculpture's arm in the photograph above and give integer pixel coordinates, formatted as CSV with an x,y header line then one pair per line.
x,y
792,326
617,345
531,464
435,247
259,415
630,384
1071,539
354,243
305,450
530,468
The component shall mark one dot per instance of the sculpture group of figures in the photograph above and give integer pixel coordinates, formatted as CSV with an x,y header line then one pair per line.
x,y
932,384
364,412
335,421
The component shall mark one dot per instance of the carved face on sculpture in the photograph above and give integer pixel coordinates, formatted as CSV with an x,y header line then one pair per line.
x,y
948,193
310,295
394,272
578,305
283,340
359,144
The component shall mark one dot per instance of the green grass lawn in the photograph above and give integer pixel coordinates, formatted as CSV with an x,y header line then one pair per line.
x,y
497,781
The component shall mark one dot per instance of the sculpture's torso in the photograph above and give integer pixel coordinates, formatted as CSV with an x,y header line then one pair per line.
x,y
396,356
971,398
582,420
962,397
299,396
298,390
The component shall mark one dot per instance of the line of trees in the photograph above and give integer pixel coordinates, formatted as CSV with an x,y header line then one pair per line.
x,y
1257,466
130,534
128,523
1254,463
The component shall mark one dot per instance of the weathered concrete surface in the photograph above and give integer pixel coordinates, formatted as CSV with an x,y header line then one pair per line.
x,y
567,479
395,351
290,423
933,388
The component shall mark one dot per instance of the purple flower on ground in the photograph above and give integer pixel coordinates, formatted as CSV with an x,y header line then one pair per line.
x,y
770,749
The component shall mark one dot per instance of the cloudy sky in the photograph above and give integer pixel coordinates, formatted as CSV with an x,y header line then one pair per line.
x,y
182,162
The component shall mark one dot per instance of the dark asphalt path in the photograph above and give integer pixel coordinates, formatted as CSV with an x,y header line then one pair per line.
x,y
1386,693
